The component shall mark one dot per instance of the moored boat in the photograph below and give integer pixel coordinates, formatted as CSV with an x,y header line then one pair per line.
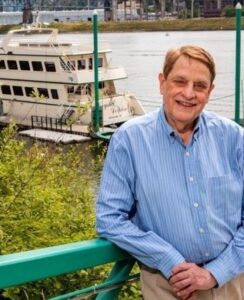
x,y
46,83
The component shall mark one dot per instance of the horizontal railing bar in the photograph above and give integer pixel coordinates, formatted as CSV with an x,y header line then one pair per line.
x,y
20,268
96,289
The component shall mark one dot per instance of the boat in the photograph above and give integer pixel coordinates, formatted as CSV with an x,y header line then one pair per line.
x,y
48,83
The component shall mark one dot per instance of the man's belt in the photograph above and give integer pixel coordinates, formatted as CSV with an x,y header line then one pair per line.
x,y
148,269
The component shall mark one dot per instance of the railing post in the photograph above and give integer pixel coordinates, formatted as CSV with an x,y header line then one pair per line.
x,y
96,79
238,62
120,272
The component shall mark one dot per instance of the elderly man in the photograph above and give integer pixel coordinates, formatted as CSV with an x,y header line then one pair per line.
x,y
171,193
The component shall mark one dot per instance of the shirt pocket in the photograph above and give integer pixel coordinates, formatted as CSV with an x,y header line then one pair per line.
x,y
225,194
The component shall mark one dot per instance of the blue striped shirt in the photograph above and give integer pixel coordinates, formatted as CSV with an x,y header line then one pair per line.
x,y
166,202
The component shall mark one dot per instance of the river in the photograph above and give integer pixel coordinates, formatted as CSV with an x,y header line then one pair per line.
x,y
142,54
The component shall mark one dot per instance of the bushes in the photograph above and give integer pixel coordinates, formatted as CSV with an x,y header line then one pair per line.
x,y
45,200
230,11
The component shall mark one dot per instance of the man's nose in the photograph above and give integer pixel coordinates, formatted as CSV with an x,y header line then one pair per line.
x,y
188,91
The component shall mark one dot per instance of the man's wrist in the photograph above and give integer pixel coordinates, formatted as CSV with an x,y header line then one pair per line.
x,y
213,281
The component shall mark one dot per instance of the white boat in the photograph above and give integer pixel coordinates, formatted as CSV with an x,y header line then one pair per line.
x,y
50,84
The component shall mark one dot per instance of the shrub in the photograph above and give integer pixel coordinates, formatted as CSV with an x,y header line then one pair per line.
x,y
47,199
230,11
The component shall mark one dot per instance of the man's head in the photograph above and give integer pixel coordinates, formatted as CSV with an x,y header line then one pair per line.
x,y
192,52
186,83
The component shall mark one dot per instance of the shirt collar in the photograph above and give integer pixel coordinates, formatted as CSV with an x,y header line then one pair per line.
x,y
170,131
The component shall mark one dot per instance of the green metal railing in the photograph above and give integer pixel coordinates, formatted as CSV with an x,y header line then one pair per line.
x,y
29,266
238,63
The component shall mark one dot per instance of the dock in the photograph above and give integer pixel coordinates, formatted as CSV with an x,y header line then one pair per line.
x,y
54,136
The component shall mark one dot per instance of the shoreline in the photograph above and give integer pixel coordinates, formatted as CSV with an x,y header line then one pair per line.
x,y
196,24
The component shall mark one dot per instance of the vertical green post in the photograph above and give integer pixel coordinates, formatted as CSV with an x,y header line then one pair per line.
x,y
95,59
238,63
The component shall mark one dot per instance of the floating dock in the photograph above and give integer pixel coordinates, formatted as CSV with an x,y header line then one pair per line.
x,y
54,136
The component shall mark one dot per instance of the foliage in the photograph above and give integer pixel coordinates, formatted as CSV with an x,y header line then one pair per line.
x,y
230,11
45,200
142,25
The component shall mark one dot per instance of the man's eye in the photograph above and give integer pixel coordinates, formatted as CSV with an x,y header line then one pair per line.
x,y
179,81
200,86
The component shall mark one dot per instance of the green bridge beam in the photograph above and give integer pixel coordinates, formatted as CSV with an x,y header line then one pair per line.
x,y
20,268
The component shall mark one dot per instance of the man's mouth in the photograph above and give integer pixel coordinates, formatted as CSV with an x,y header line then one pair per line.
x,y
185,103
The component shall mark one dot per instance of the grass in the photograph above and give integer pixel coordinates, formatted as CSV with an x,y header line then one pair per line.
x,y
158,25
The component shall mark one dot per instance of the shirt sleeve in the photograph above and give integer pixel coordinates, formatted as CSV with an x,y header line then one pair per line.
x,y
230,263
116,207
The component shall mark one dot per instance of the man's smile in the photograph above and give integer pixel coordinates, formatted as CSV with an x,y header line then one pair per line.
x,y
185,103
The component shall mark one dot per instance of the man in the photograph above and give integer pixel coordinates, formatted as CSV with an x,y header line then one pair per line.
x,y
171,193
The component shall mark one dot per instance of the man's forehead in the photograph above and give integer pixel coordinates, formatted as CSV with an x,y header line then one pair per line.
x,y
201,71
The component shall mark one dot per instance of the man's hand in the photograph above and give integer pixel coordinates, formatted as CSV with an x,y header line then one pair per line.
x,y
187,278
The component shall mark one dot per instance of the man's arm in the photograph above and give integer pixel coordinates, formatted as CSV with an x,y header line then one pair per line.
x,y
230,263
116,206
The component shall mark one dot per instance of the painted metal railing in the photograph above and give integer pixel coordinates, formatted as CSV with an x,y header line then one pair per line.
x,y
29,266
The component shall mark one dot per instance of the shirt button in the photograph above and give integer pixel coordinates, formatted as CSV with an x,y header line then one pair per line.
x,y
187,153
191,179
206,254
195,204
201,230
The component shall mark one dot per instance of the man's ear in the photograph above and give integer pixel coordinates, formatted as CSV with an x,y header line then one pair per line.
x,y
211,88
161,80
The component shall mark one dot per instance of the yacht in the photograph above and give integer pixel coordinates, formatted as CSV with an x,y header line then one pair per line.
x,y
47,83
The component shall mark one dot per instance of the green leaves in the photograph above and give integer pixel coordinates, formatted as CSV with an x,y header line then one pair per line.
x,y
45,200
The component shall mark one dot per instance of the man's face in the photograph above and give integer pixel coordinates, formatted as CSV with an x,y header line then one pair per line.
x,y
185,91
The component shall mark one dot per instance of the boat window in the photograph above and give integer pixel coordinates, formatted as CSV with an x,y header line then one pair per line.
x,y
50,66
24,65
71,65
6,89
29,92
37,66
90,64
70,89
78,90
2,64
81,64
18,91
101,85
54,93
88,89
12,65
43,93
100,62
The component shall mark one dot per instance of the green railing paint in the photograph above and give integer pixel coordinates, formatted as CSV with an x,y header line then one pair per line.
x,y
20,268
238,63
96,80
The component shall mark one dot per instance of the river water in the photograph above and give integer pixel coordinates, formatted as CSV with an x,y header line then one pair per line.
x,y
142,54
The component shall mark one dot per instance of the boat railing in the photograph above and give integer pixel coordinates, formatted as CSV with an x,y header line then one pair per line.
x,y
44,45
51,123
24,267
